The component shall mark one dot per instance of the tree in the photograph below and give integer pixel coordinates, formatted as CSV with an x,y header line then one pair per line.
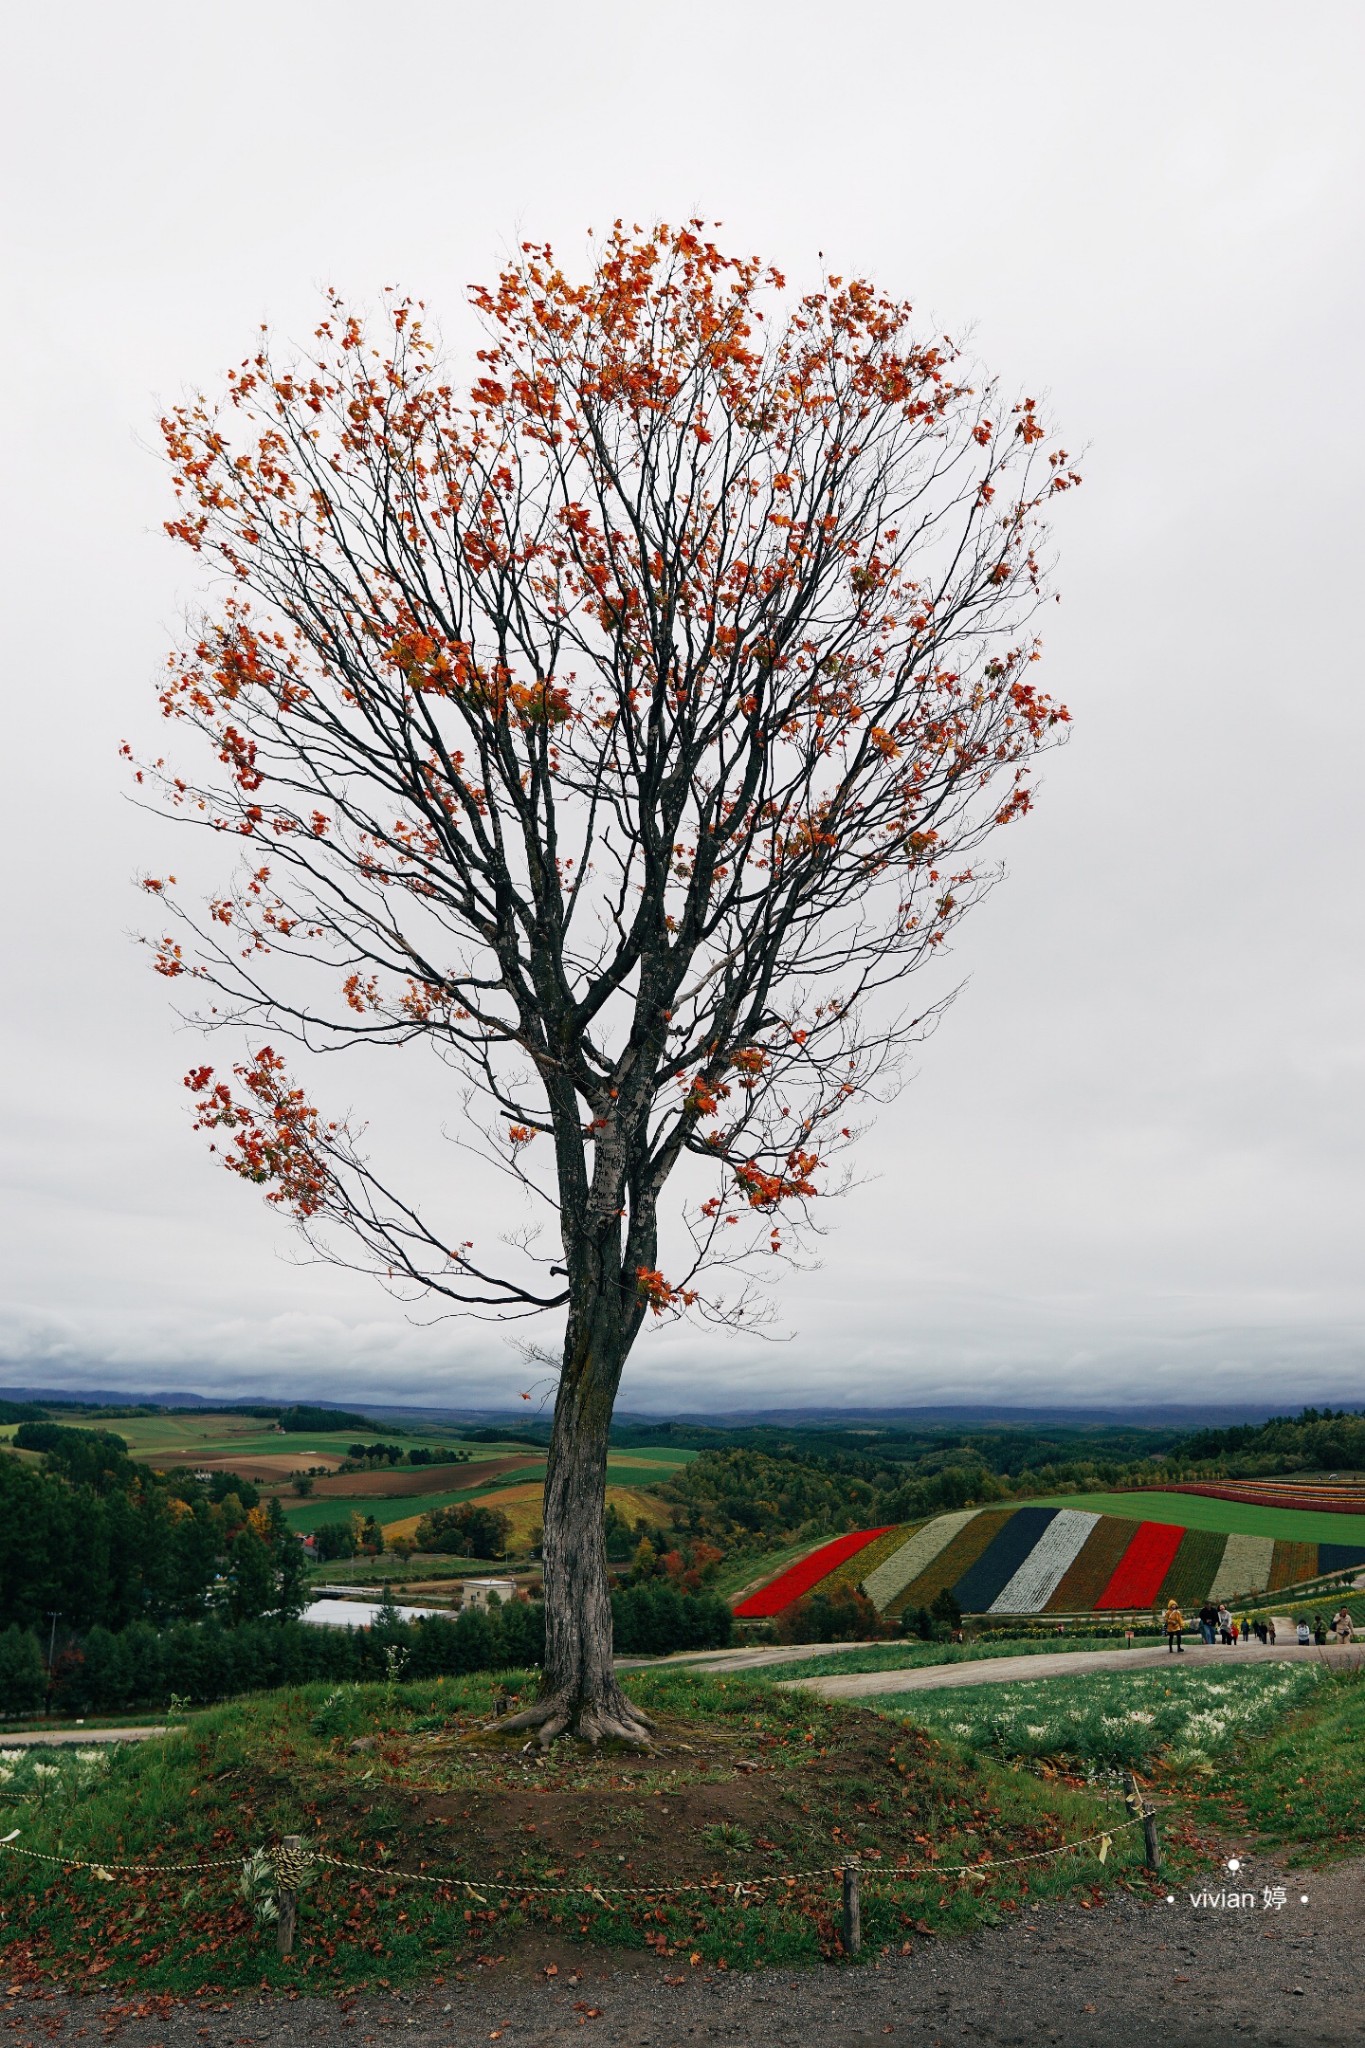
x,y
291,1565
623,730
332,1540
23,1678
466,1530
843,1615
251,1577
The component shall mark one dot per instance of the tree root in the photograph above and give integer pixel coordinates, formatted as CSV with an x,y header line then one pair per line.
x,y
590,1721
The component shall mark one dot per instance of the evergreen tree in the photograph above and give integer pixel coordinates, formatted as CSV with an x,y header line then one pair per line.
x,y
251,1577
22,1677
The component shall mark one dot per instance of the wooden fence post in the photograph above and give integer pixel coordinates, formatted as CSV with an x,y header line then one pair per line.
x,y
289,1902
853,1908
1150,1843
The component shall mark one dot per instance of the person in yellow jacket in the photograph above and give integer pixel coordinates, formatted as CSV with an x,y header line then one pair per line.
x,y
1175,1628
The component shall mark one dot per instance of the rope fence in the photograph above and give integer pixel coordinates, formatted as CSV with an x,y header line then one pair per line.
x,y
292,1864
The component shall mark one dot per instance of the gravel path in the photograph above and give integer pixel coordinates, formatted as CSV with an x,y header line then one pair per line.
x,y
1123,1975
751,1659
858,1685
76,1737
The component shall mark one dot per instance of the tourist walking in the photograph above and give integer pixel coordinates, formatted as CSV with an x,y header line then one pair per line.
x,y
1175,1628
1225,1622
1208,1621
1344,1626
1319,1630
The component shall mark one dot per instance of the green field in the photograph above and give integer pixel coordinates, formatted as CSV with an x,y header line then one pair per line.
x,y
657,1454
1225,1517
307,1515
908,1655
208,1434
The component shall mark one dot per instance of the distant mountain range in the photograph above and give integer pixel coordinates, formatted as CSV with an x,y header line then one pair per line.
x,y
994,1415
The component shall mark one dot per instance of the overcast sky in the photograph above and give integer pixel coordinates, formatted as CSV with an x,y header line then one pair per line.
x,y
1129,1167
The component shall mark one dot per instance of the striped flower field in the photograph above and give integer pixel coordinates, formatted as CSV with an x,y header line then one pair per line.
x,y
1337,1496
1049,1560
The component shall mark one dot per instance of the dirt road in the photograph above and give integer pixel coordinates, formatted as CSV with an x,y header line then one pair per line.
x,y
1119,1976
75,1736
981,1670
860,1685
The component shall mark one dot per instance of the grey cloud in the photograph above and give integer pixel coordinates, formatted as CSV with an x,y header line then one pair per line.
x,y
1129,1164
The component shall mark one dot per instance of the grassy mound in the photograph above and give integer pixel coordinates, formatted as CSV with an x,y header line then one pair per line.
x,y
751,1801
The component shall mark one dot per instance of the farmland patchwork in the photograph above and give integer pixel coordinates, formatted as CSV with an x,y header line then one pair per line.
x,y
1036,1560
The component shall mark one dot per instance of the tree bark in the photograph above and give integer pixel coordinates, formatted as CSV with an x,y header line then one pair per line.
x,y
579,1693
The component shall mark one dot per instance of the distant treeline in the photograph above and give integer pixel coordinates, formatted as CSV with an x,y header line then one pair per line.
x,y
107,1671
1315,1440
753,1500
21,1411
296,1418
301,1419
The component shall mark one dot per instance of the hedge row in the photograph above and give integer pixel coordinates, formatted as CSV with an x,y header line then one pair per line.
x,y
107,1672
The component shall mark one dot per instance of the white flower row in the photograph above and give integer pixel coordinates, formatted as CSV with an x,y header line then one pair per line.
x,y
1243,1568
915,1555
1042,1571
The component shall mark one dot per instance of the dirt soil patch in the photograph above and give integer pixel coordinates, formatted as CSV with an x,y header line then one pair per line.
x,y
263,1465
394,1482
1115,1975
524,1506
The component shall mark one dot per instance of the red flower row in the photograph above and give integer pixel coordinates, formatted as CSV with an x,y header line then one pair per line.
x,y
798,1579
1143,1566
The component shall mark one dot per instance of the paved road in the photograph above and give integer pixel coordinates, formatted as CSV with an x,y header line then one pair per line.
x,y
856,1685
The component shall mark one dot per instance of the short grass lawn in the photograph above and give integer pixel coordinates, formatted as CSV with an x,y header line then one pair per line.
x,y
751,1802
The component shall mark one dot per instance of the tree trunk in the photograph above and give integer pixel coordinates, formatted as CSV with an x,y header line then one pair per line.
x,y
579,1692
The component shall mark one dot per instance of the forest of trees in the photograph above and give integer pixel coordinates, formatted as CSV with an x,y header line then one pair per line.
x,y
746,1500
1315,1440
99,1541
